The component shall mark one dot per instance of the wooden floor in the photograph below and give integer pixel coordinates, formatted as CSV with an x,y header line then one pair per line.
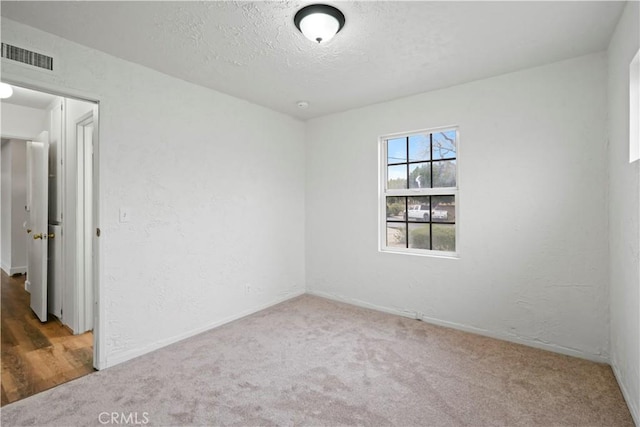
x,y
37,356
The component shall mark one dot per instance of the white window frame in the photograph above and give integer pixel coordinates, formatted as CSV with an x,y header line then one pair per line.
x,y
383,193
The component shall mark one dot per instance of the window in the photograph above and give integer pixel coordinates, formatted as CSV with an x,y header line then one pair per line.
x,y
419,192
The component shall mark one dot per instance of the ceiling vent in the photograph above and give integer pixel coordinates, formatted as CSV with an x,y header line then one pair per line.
x,y
27,57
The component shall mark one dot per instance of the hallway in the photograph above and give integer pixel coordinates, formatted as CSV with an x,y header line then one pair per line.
x,y
37,356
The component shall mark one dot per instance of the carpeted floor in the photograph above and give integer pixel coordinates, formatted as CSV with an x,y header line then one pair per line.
x,y
311,361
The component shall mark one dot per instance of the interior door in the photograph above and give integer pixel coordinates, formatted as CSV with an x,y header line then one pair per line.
x,y
38,213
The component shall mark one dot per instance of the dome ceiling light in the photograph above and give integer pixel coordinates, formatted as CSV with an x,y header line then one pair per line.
x,y
319,22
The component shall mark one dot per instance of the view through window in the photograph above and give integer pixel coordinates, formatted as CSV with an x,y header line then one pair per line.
x,y
420,191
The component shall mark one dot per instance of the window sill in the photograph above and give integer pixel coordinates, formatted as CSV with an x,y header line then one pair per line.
x,y
430,254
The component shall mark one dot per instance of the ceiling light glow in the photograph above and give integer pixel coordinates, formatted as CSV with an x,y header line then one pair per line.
x,y
319,22
5,91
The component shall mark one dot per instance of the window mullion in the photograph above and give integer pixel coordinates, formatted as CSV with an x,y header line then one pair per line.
x,y
430,225
431,159
406,221
407,145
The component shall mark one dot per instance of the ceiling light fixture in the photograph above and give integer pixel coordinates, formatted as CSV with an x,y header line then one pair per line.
x,y
319,22
5,91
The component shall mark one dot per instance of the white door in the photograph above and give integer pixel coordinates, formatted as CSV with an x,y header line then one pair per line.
x,y
38,212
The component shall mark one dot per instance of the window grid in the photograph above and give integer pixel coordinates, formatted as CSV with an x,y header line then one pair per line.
x,y
413,162
406,221
404,194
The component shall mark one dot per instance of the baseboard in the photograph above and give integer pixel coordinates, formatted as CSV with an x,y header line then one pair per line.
x,y
631,404
466,328
14,270
132,354
18,270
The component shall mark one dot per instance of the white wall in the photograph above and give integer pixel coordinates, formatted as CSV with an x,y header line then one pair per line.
x,y
14,198
22,122
532,210
215,188
5,207
624,214
18,202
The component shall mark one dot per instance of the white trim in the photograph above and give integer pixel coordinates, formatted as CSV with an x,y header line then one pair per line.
x,y
635,411
419,132
467,328
18,270
14,270
421,252
437,191
634,108
82,239
99,311
131,354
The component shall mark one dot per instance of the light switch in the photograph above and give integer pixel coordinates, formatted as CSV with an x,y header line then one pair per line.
x,y
125,214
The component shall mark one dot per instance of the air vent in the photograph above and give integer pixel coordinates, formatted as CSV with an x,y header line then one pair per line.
x,y
27,57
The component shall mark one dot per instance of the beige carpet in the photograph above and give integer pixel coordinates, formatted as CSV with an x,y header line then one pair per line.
x,y
310,361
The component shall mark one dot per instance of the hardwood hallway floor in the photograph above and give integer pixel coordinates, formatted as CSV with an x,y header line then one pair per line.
x,y
37,356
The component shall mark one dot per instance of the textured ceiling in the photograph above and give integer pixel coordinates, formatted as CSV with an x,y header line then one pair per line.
x,y
386,50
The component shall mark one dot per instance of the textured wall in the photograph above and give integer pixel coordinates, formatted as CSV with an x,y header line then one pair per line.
x,y
532,210
624,214
215,188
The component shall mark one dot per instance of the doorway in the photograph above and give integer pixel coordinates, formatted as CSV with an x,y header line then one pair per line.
x,y
54,340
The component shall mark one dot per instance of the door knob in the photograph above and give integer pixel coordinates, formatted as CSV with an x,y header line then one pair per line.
x,y
52,235
37,236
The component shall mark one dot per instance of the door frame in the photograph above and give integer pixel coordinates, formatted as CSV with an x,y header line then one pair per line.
x,y
99,345
81,299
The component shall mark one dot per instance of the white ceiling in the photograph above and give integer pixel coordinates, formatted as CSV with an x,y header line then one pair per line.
x,y
29,98
386,50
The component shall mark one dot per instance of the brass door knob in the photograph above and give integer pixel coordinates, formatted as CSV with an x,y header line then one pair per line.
x,y
52,235
37,236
